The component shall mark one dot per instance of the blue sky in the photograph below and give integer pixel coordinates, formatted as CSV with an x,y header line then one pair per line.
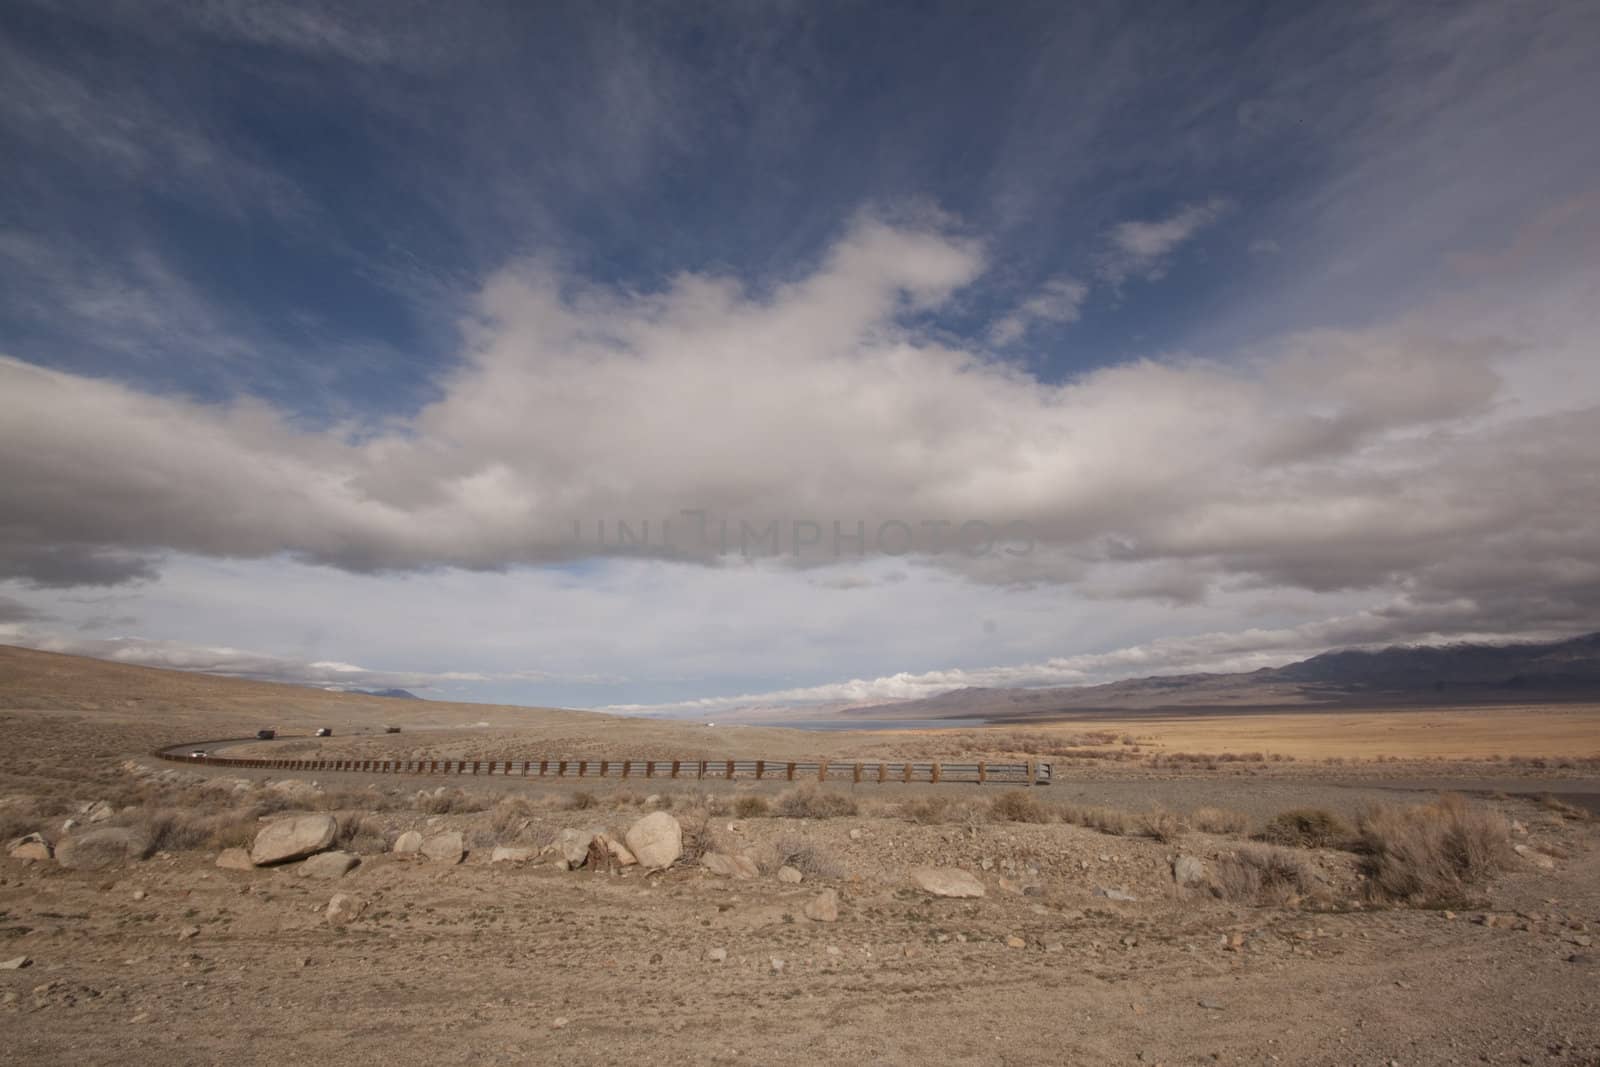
x,y
1243,309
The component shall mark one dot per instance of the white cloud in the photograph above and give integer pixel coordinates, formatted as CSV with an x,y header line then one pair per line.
x,y
1059,300
1144,248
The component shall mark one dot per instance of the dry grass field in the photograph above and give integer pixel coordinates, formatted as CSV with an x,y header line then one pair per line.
x,y
1256,888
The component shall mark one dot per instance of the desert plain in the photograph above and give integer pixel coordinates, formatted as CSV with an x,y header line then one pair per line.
x,y
1360,886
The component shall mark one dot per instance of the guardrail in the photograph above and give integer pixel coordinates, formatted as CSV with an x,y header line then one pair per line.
x,y
1034,772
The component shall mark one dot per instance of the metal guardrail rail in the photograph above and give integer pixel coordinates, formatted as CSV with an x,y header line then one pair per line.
x,y
1033,772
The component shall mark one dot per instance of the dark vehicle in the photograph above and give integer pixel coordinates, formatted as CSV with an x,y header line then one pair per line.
x,y
391,729
323,731
266,735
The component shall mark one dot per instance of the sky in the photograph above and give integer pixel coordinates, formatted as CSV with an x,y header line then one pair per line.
x,y
684,357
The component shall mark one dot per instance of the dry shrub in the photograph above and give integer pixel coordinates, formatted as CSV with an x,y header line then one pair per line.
x,y
1307,828
1562,808
751,807
809,859
510,814
582,800
182,830
809,802
1263,874
926,810
1105,820
1219,821
1018,805
1431,854
1160,824
357,833
444,801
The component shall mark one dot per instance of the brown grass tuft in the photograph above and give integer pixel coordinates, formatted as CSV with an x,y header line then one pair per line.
x,y
1429,855
1018,805
1162,825
809,802
751,807
1307,828
1263,875
1219,821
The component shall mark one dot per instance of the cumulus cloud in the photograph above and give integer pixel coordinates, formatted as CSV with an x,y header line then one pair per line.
x,y
1385,458
1059,300
1144,248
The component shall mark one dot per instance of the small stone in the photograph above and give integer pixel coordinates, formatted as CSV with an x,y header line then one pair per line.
x,y
1209,1005
408,843
855,835
329,865
32,848
16,963
573,846
1115,894
824,907
139,894
790,875
558,1022
188,933
1188,871
343,908
509,854
946,882
717,955
235,859
1015,942
777,965
737,866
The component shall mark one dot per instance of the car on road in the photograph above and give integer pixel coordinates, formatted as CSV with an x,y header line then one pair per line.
x,y
391,729
266,735
198,753
323,731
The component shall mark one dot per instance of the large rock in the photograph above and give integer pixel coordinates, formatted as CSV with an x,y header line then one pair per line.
x,y
108,846
573,846
824,907
293,839
235,859
619,852
329,865
946,882
408,843
1188,871
656,840
97,812
447,847
791,875
510,854
1538,859
737,865
30,847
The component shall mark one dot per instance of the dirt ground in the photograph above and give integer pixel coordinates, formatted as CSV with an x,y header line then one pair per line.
x,y
171,959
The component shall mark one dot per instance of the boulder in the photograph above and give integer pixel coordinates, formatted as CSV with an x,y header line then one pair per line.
x,y
344,908
97,812
1120,895
824,907
30,847
447,847
617,850
1188,871
235,859
293,838
573,846
107,846
408,843
789,874
508,854
655,840
737,865
946,882
1538,859
329,865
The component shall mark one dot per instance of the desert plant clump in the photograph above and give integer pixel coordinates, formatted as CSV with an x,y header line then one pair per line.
x,y
510,815
1307,828
1562,808
1219,821
1263,875
1105,820
1432,854
926,810
358,833
1159,824
444,801
1017,805
809,858
810,802
751,807
582,800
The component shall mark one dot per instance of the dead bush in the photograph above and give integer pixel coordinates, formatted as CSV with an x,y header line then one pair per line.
x,y
1219,821
443,801
810,802
1562,808
1106,820
1431,854
751,807
810,859
1307,828
1162,825
926,810
1018,805
582,800
510,814
358,833
1263,875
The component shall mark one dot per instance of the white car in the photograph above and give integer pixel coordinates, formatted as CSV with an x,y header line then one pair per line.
x,y
198,753
323,731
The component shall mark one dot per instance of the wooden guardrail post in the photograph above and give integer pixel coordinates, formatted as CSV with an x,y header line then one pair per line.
x,y
883,773
603,765
583,767
702,768
936,774
791,772
983,774
729,772
561,768
761,765
907,776
1032,776
822,771
627,765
